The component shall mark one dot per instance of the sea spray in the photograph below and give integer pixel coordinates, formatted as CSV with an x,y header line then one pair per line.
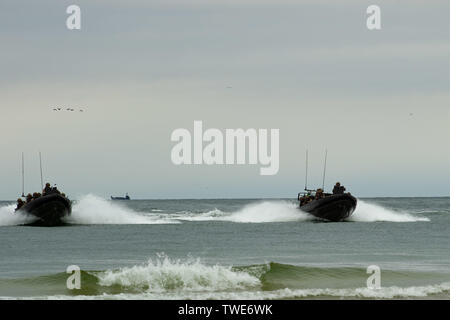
x,y
94,210
288,211
8,217
268,211
258,212
369,212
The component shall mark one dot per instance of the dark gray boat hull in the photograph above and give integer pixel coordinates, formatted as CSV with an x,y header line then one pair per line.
x,y
49,210
337,207
120,198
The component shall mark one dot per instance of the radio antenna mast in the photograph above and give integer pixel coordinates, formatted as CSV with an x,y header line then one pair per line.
x,y
306,173
40,164
23,176
324,170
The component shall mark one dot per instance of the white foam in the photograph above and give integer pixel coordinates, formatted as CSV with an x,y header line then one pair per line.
x,y
352,293
269,211
286,211
260,212
164,274
382,293
212,215
10,218
369,212
94,210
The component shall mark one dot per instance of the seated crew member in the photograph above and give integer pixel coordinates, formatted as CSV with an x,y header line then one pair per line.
x,y
55,190
47,189
29,198
309,198
338,189
302,200
20,203
319,194
36,195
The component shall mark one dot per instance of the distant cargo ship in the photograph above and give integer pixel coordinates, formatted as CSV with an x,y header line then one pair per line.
x,y
127,197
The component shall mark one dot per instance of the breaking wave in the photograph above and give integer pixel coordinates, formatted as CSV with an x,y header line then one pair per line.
x,y
164,274
349,293
165,278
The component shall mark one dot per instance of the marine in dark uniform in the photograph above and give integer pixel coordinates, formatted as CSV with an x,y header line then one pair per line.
x,y
20,203
29,198
319,194
338,189
47,189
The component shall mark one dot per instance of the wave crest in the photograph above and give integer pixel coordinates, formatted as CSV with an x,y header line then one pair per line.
x,y
164,274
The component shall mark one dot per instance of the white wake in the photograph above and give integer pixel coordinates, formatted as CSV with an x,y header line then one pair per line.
x,y
94,210
369,212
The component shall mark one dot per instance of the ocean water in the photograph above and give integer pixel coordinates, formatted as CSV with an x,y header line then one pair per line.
x,y
229,249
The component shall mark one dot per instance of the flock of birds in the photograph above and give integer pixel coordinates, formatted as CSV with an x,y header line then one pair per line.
x,y
67,109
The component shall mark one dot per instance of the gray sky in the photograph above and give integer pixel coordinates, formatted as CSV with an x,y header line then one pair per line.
x,y
378,100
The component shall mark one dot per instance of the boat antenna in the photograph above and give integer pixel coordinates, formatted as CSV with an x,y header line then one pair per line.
x,y
306,173
23,176
40,165
324,169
